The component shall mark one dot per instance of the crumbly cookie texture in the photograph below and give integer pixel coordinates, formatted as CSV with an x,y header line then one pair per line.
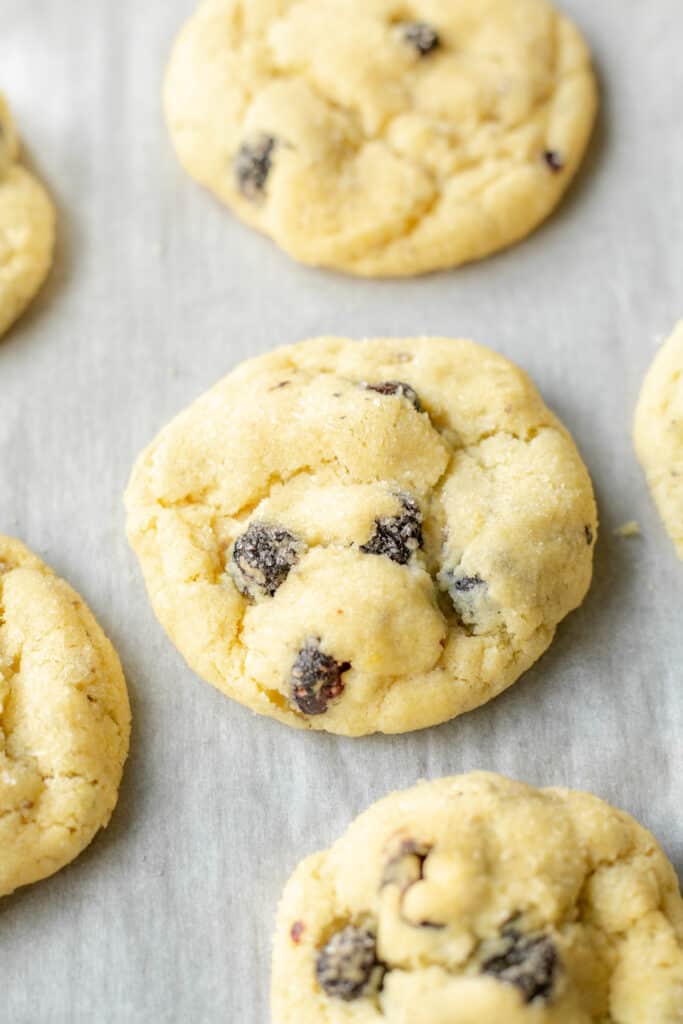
x,y
384,137
64,721
27,227
478,900
364,536
658,434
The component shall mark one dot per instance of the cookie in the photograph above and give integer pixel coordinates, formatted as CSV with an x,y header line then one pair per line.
x,y
382,138
478,900
363,536
27,227
658,434
64,721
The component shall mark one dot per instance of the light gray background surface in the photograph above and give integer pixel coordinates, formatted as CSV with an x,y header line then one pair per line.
x,y
156,292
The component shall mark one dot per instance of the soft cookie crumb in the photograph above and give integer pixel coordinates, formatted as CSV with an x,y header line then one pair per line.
x,y
629,529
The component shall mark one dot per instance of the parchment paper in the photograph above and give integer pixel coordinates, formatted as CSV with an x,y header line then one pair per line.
x,y
157,292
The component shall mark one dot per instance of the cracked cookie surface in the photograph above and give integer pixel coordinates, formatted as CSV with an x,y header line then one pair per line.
x,y
27,227
383,138
478,900
364,536
658,434
64,721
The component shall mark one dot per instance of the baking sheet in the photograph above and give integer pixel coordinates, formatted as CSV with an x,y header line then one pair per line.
x,y
157,292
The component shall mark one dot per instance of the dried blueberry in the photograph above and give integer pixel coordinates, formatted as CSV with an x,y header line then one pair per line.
x,y
465,584
252,166
530,962
316,679
263,557
404,869
397,537
589,535
467,594
397,388
422,36
347,966
406,866
553,160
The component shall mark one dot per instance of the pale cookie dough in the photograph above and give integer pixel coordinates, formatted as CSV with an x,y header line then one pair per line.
x,y
658,434
364,536
27,227
383,137
64,721
478,900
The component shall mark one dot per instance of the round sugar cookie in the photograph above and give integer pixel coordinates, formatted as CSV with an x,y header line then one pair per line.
x,y
382,138
64,721
478,900
27,227
658,434
364,536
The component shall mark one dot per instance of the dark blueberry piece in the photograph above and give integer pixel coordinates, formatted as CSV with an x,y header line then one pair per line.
x,y
404,869
463,592
252,166
397,388
264,556
589,535
316,679
347,966
530,962
296,931
406,866
553,160
397,537
471,599
465,584
422,36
